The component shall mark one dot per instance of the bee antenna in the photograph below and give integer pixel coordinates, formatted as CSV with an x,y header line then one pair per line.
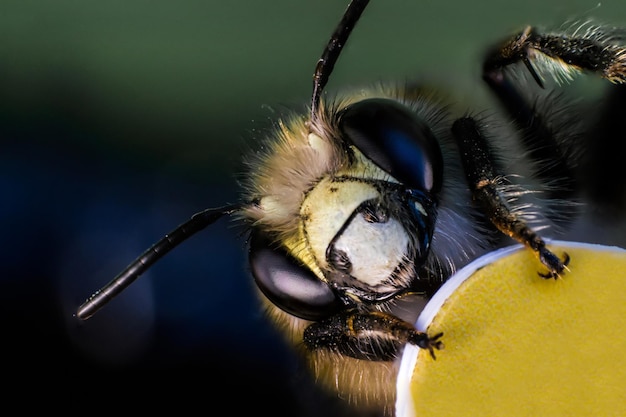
x,y
196,223
329,57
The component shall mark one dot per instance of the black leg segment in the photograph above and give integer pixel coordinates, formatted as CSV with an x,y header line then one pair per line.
x,y
487,189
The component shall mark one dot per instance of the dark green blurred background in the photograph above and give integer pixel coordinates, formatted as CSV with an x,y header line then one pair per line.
x,y
120,119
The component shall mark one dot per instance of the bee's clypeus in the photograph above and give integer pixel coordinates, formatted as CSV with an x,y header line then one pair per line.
x,y
360,209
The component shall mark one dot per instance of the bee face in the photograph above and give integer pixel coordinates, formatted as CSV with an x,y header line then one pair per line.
x,y
358,211
364,220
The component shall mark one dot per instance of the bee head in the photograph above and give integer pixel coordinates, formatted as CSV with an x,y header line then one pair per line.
x,y
365,230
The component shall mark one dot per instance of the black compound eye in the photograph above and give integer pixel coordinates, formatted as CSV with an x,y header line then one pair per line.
x,y
288,284
395,139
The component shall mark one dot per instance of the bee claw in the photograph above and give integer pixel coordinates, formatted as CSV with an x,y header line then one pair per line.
x,y
555,266
434,343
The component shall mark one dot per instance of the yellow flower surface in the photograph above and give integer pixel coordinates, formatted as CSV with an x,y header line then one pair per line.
x,y
517,344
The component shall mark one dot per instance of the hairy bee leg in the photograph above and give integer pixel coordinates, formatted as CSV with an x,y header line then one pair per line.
x,y
485,185
375,336
594,50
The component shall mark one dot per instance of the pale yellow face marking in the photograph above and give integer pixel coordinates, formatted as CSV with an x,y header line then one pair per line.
x,y
374,249
327,207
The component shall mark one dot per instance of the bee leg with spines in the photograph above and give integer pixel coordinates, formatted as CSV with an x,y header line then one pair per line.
x,y
486,187
595,50
592,50
374,336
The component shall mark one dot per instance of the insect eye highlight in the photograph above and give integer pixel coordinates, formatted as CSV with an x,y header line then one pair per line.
x,y
396,140
288,284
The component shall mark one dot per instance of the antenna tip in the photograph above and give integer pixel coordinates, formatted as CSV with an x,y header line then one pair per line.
x,y
86,310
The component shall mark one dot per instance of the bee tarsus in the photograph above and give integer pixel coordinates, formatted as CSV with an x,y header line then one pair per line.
x,y
372,336
556,267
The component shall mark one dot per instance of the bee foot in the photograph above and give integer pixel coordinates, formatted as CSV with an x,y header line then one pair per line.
x,y
556,267
430,343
